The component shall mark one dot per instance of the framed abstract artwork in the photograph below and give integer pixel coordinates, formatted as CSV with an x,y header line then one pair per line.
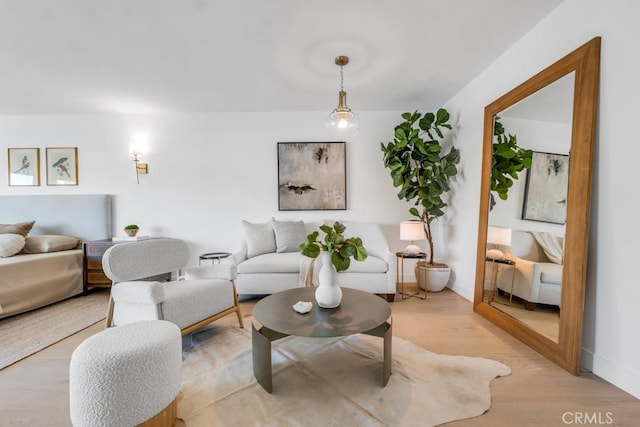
x,y
24,166
312,176
62,166
545,197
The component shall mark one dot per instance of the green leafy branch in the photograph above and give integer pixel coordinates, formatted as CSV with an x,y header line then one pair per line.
x,y
340,248
507,161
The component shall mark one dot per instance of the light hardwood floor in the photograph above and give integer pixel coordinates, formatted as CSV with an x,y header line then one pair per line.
x,y
34,391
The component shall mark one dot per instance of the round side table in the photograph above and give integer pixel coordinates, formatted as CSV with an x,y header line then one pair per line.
x,y
213,256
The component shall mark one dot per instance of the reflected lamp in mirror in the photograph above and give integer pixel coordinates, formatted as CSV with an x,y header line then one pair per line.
x,y
497,236
412,231
141,168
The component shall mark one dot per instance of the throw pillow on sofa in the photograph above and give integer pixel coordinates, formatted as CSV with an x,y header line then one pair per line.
x,y
259,237
289,235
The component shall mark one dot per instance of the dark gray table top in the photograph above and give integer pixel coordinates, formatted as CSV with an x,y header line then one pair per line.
x,y
358,312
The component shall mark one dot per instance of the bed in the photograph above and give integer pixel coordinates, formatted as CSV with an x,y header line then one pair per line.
x,y
34,280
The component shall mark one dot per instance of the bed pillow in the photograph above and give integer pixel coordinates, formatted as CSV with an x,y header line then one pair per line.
x,y
259,237
49,243
10,244
22,228
289,235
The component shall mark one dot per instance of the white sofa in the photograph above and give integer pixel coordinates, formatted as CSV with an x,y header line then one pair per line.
x,y
269,259
537,279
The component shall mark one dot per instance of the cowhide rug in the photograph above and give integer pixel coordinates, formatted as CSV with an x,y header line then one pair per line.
x,y
329,382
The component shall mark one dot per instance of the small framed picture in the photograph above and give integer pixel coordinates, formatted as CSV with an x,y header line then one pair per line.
x,y
62,166
24,166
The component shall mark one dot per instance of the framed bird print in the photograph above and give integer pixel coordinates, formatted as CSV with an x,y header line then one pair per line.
x,y
62,166
312,176
24,166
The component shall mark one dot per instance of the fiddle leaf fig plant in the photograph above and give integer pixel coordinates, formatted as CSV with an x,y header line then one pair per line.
x,y
340,248
419,167
507,160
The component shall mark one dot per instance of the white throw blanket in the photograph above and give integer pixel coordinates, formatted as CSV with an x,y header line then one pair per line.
x,y
308,273
550,244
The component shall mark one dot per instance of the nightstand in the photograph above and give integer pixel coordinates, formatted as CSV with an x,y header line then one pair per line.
x,y
93,275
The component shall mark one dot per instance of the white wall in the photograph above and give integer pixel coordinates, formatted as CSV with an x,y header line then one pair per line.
x,y
207,171
610,339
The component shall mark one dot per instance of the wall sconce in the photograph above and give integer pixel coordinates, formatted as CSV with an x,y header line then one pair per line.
x,y
141,168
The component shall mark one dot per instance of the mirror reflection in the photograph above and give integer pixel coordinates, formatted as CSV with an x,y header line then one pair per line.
x,y
529,182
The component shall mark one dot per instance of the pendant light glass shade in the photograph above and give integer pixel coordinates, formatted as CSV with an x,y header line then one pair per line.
x,y
342,117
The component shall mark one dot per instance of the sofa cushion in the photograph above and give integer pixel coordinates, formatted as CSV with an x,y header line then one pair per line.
x,y
289,235
288,262
550,273
259,237
373,238
370,265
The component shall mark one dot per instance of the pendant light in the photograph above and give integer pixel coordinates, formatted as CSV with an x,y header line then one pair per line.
x,y
342,117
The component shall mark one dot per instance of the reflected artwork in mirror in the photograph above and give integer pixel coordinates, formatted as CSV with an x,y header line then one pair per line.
x,y
534,212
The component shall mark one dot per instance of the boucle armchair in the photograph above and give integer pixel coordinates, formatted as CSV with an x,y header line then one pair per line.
x,y
206,294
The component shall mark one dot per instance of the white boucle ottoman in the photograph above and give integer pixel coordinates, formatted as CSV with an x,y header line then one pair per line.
x,y
125,375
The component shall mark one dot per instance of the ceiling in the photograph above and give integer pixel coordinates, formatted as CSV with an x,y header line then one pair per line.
x,y
168,56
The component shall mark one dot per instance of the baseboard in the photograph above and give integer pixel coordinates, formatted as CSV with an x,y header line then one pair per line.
x,y
611,372
586,360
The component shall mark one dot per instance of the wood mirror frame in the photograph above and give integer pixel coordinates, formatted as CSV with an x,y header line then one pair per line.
x,y
585,62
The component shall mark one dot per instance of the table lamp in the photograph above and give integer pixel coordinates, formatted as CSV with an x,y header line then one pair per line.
x,y
498,236
412,231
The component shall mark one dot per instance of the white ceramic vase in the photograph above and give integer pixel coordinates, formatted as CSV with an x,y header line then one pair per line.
x,y
328,292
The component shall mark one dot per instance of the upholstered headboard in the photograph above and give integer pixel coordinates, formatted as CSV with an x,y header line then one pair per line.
x,y
86,216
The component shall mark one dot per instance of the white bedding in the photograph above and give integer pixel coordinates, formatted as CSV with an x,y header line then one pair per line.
x,y
35,280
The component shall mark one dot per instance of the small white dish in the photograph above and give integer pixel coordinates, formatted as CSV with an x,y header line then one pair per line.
x,y
303,307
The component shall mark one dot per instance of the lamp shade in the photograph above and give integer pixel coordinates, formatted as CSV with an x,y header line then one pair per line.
x,y
412,230
499,236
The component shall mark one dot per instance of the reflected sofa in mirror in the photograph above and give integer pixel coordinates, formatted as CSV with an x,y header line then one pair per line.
x,y
532,285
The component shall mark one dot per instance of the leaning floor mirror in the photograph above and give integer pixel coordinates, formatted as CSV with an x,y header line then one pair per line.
x,y
534,210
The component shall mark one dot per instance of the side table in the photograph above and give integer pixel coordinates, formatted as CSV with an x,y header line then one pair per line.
x,y
495,262
92,274
213,256
400,257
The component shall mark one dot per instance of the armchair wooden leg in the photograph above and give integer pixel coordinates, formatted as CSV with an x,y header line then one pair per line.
x,y
236,304
109,319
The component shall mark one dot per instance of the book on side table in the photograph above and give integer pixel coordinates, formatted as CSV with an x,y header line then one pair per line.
x,y
128,238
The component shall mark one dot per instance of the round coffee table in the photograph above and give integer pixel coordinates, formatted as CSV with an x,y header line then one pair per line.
x,y
275,318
